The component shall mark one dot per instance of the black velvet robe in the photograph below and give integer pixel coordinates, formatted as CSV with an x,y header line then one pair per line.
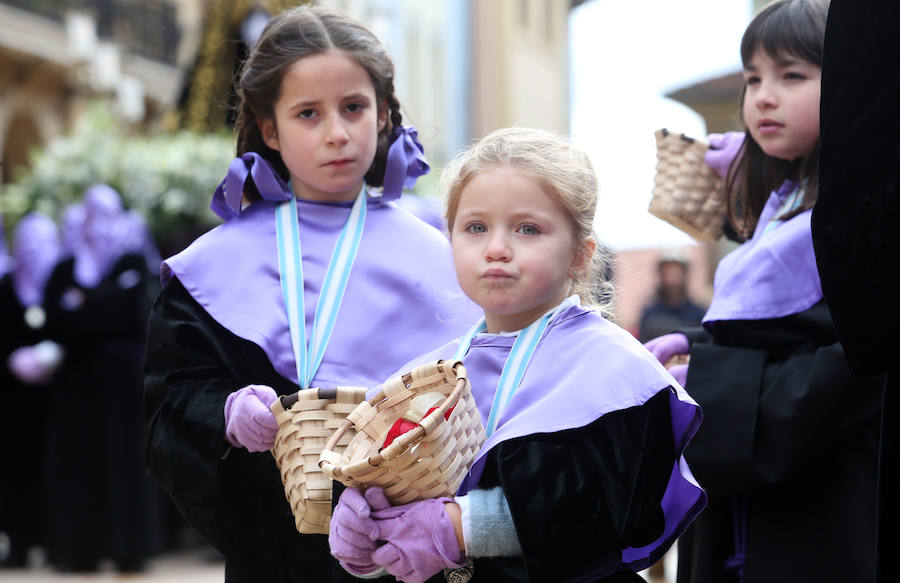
x,y
99,501
585,499
236,499
21,433
789,433
855,221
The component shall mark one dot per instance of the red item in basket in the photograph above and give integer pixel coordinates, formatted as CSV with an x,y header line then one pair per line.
x,y
402,425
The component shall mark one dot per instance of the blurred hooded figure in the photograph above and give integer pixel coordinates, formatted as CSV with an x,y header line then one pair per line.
x,y
97,301
136,237
72,221
27,363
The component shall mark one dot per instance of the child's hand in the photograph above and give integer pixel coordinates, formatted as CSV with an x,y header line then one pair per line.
x,y
248,421
679,371
668,345
419,539
352,533
723,149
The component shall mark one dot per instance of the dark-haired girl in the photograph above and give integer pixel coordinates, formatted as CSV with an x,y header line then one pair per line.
x,y
787,449
316,279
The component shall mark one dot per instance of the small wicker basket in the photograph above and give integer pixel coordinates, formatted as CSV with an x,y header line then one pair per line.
x,y
687,193
426,462
306,420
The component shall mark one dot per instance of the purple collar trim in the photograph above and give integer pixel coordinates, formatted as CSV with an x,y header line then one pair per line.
x,y
771,275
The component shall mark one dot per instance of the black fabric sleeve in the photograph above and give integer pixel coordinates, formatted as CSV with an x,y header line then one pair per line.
x,y
577,497
854,222
696,335
770,410
192,365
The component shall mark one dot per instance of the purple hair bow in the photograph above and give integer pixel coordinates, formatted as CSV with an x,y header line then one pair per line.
x,y
405,162
226,201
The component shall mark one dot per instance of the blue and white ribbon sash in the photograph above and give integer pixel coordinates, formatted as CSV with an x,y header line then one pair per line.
x,y
516,363
308,356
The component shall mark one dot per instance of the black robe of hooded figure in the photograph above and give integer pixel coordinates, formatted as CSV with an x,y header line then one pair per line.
x,y
100,503
21,433
236,500
855,221
787,450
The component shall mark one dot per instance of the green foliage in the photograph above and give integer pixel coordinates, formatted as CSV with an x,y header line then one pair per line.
x,y
170,178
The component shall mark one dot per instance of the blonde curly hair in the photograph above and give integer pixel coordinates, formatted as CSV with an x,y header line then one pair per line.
x,y
563,171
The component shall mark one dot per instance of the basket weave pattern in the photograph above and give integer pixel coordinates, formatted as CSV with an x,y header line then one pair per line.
x,y
687,193
426,462
304,428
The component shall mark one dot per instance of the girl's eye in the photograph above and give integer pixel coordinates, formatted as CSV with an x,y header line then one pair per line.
x,y
793,76
752,80
529,229
307,114
475,228
355,107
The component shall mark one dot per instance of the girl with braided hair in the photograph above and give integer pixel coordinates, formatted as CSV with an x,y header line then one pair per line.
x,y
312,246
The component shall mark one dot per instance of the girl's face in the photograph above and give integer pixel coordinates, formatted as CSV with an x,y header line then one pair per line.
x,y
781,104
513,248
326,126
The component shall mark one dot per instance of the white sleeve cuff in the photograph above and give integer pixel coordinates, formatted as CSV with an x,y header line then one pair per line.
x,y
373,575
488,528
465,518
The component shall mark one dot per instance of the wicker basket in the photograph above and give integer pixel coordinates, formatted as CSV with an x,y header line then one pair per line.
x,y
686,192
426,462
306,420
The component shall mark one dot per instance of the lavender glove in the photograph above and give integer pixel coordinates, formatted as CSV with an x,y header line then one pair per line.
x,y
352,533
668,345
419,539
248,421
723,149
679,371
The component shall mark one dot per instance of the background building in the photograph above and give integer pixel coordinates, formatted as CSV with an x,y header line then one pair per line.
x,y
465,67
55,55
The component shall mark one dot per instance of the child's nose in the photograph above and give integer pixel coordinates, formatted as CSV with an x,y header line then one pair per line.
x,y
337,131
765,96
498,248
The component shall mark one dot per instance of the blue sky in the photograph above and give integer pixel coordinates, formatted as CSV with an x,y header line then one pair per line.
x,y
624,56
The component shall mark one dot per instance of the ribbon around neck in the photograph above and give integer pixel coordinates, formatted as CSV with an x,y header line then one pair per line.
x,y
226,201
514,368
308,354
405,162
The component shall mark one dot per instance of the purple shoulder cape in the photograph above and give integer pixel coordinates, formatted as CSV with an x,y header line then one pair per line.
x,y
583,368
402,296
771,275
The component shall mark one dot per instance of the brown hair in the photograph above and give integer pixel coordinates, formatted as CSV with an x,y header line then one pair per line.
x,y
564,172
783,28
292,35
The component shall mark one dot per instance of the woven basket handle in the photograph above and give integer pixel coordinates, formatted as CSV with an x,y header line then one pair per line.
x,y
288,401
399,445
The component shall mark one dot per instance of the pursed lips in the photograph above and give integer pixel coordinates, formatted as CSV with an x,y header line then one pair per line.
x,y
339,162
496,274
768,125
